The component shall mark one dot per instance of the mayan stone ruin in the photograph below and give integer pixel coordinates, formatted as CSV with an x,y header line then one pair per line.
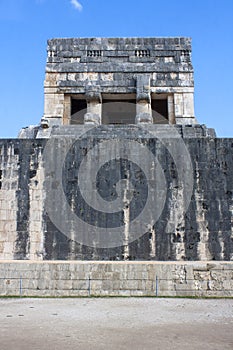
x,y
119,169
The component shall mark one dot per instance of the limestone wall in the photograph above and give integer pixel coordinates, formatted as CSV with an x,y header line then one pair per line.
x,y
201,231
59,279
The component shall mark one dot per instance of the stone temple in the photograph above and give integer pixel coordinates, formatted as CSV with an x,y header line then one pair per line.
x,y
152,75
118,178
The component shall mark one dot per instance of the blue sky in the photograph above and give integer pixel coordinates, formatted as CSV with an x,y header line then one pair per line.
x,y
25,26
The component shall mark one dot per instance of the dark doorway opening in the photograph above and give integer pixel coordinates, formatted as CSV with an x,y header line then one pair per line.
x,y
78,110
159,111
118,112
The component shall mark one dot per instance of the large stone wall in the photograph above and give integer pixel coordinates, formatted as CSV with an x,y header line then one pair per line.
x,y
59,279
202,231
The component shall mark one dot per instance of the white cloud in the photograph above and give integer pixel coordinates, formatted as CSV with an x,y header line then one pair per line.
x,y
76,5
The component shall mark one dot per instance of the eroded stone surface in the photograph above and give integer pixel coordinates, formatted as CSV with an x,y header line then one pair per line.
x,y
202,232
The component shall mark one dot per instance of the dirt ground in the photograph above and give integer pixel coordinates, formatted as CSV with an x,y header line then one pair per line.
x,y
116,323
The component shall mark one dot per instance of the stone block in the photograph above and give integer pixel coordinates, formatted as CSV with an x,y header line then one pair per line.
x,y
35,216
144,118
96,285
92,119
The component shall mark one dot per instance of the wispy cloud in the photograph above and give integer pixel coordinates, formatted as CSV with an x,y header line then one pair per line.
x,y
76,5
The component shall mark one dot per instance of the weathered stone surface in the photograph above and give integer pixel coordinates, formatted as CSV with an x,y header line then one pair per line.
x,y
202,232
61,279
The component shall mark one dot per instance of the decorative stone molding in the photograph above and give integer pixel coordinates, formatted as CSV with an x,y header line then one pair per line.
x,y
93,93
143,88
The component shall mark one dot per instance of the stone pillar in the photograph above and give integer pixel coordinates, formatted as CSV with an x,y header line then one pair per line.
x,y
94,105
54,108
171,112
67,110
184,108
188,99
144,113
53,99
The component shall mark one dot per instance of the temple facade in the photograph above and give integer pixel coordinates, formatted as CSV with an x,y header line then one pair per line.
x,y
119,81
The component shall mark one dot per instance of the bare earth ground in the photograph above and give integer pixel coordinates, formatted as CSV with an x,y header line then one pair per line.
x,y
116,323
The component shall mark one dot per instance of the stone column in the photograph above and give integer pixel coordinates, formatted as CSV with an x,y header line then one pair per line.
x,y
67,110
184,108
53,99
171,112
94,105
144,113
